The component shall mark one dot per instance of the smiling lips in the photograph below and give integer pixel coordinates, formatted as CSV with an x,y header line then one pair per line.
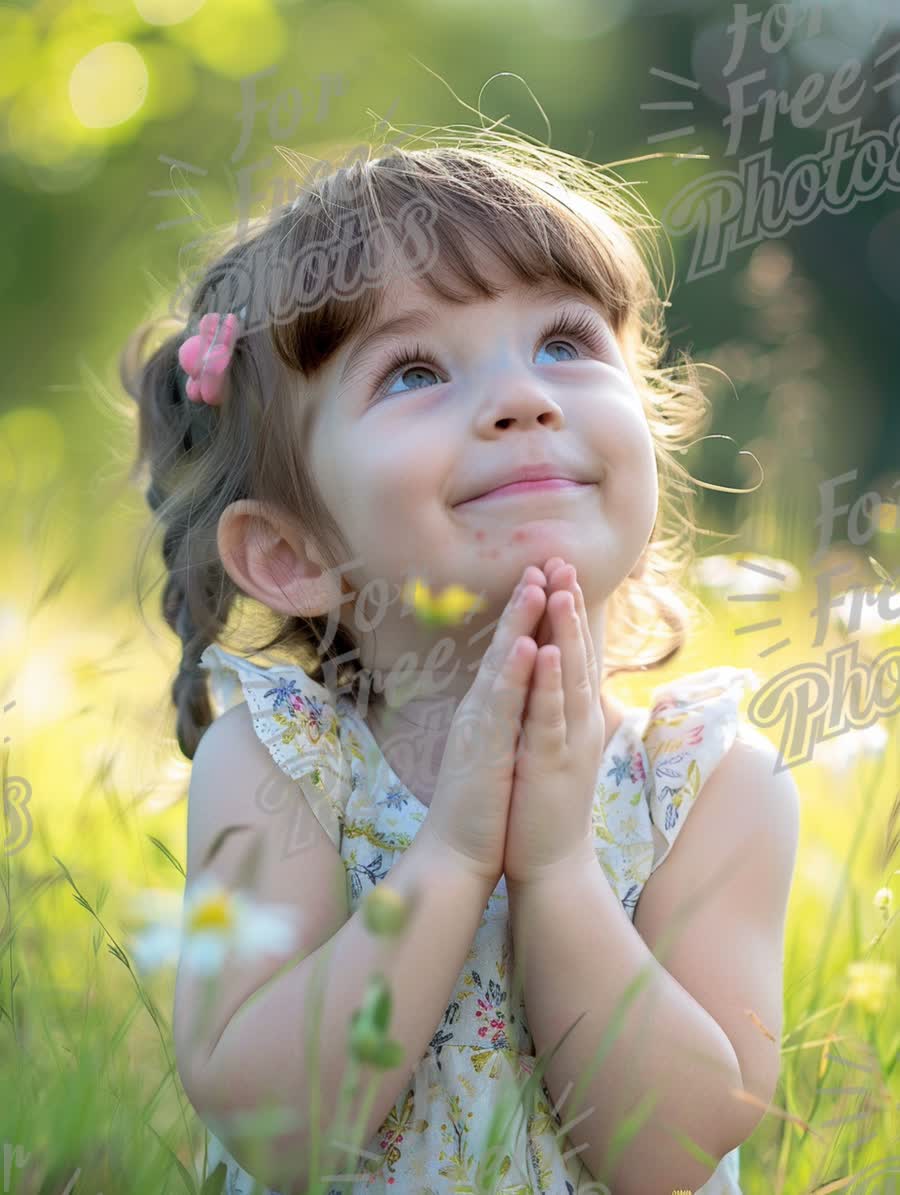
x,y
528,476
527,487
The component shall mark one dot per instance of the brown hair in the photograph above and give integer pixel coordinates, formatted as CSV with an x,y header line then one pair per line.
x,y
543,214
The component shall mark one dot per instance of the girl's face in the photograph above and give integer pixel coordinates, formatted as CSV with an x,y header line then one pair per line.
x,y
533,377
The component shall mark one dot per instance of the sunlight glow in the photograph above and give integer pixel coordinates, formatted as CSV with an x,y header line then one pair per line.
x,y
108,85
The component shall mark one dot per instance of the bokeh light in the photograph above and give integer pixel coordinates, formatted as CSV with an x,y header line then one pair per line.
x,y
108,85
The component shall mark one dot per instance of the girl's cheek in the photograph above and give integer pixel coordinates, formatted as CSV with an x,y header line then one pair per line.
x,y
622,435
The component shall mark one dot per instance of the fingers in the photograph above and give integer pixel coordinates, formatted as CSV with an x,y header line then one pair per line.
x,y
489,730
564,579
544,728
568,635
590,656
500,690
559,699
485,731
517,619
564,690
554,570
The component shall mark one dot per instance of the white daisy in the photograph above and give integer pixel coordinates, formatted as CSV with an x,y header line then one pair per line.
x,y
730,575
211,921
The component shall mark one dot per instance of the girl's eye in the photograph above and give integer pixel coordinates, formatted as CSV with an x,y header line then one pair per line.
x,y
572,354
408,361
403,361
581,327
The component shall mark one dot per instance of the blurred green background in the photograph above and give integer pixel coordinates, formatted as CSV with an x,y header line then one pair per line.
x,y
132,132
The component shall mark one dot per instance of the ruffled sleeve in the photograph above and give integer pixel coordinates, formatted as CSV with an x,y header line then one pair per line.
x,y
296,719
692,724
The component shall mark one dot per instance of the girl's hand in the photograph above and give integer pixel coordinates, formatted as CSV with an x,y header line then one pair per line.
x,y
562,740
469,809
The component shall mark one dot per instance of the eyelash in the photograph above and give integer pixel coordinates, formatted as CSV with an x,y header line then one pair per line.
x,y
582,326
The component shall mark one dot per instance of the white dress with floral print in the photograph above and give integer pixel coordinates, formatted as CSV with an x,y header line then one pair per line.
x,y
653,768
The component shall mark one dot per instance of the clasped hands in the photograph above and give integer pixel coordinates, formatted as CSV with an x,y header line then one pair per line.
x,y
562,736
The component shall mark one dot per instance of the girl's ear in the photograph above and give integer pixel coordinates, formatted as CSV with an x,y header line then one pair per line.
x,y
267,557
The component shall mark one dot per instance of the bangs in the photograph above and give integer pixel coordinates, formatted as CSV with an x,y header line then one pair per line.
x,y
450,223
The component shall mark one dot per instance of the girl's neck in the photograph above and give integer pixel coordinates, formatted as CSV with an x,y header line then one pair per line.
x,y
412,739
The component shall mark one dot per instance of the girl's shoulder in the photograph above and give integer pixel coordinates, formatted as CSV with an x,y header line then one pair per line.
x,y
690,726
295,718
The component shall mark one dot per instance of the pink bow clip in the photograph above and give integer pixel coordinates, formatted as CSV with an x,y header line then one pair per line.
x,y
205,358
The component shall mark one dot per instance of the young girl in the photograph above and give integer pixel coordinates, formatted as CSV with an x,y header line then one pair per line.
x,y
350,434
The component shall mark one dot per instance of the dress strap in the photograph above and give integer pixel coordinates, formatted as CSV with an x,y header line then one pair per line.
x,y
692,724
296,719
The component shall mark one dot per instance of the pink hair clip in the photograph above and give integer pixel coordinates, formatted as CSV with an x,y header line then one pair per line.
x,y
205,358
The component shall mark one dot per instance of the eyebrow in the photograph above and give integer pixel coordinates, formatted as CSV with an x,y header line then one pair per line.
x,y
423,318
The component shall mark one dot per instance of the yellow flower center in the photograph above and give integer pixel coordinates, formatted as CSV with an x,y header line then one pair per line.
x,y
213,912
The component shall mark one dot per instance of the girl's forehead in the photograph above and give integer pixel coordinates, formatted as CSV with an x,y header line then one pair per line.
x,y
472,272
406,294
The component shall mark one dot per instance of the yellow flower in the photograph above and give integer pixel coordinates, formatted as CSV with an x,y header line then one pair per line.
x,y
870,984
449,607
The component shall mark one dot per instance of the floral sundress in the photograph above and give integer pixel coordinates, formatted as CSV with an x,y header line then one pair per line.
x,y
652,770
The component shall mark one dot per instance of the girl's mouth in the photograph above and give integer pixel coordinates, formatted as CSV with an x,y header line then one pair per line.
x,y
528,487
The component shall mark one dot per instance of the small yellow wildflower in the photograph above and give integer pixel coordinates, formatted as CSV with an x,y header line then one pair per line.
x,y
870,984
448,607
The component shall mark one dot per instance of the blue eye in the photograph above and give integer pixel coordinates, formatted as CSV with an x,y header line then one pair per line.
x,y
581,327
410,360
566,346
403,360
407,363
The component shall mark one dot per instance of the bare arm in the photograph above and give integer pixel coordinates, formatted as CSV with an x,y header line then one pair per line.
x,y
264,1055
249,1048
704,1039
